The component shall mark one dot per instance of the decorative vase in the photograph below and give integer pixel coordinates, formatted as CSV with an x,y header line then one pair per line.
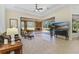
x,y
12,40
5,41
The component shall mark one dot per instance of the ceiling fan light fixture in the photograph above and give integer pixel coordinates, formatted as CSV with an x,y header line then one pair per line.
x,y
38,9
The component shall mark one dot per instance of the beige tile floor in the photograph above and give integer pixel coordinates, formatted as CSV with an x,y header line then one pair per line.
x,y
42,44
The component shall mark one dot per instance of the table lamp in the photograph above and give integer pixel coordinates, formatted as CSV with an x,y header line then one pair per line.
x,y
12,32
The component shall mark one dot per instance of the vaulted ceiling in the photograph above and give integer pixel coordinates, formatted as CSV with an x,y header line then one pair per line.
x,y
30,9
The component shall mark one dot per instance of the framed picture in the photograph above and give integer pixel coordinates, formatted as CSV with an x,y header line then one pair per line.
x,y
13,23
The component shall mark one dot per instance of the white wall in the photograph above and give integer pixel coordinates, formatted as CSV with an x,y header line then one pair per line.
x,y
63,15
75,8
2,18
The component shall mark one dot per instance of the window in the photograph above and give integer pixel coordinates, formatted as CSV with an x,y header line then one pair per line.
x,y
31,25
45,24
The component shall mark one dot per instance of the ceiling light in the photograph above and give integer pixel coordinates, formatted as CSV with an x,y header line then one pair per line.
x,y
38,9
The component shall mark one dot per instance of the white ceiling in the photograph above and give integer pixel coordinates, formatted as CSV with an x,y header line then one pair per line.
x,y
30,8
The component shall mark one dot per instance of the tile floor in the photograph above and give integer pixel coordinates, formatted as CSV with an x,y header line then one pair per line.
x,y
43,44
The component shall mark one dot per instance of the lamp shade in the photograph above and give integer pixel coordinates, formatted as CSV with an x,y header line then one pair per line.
x,y
12,31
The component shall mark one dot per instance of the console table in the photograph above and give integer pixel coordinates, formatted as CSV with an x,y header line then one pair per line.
x,y
6,49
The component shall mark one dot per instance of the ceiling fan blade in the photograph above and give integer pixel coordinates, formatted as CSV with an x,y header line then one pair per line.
x,y
40,8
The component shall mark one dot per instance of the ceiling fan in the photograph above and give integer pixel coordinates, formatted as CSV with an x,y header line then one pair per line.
x,y
38,9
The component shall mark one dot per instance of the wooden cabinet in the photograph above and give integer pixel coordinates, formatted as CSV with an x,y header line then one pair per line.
x,y
38,25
